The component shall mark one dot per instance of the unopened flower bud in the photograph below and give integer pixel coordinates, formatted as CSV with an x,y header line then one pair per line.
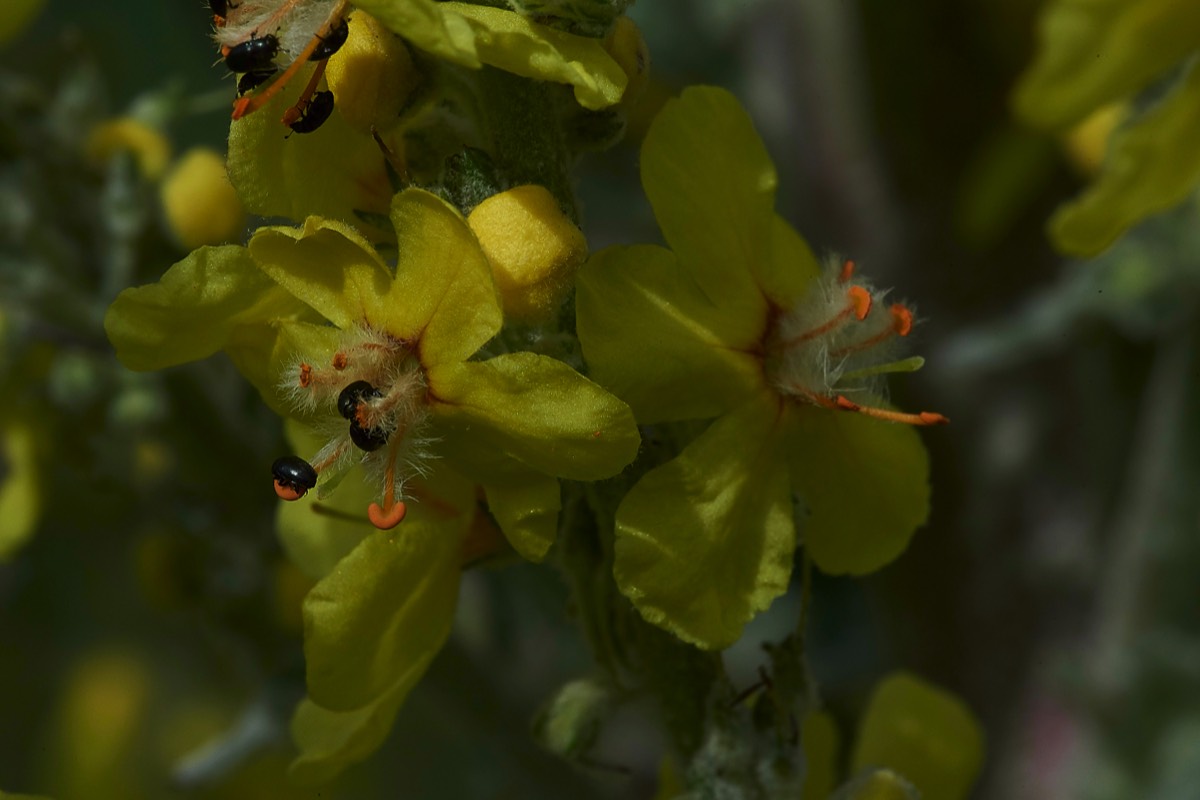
x,y
199,203
372,75
534,249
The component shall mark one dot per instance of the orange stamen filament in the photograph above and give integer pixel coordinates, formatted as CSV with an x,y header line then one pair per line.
x,y
323,465
292,114
392,512
859,304
923,418
248,105
901,325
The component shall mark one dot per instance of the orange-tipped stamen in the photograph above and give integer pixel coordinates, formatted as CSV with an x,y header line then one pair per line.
x,y
295,112
248,105
859,304
340,361
847,271
923,418
902,322
392,512
902,319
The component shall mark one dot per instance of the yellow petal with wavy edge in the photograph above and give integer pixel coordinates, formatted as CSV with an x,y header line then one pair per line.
x,y
865,484
534,409
473,35
384,611
705,541
327,265
331,172
194,309
1093,52
712,186
1153,165
926,734
655,340
443,296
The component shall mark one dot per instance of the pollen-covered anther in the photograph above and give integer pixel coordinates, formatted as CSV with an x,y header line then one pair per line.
x,y
923,418
902,322
902,319
847,271
340,361
393,511
306,376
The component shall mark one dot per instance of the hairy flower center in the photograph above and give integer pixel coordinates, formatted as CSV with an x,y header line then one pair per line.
x,y
837,343
369,398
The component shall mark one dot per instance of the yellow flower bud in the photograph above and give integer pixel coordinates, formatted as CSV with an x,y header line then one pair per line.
x,y
372,75
1087,142
126,134
199,202
627,47
534,249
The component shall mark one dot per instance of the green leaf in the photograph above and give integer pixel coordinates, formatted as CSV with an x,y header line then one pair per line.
x,y
865,483
656,341
20,485
705,541
926,734
194,309
473,35
325,264
1095,52
1152,166
332,173
443,296
536,409
712,186
383,612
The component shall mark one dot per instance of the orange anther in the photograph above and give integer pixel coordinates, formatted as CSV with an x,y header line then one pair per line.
x,y
847,271
860,300
306,376
932,418
902,319
340,361
386,520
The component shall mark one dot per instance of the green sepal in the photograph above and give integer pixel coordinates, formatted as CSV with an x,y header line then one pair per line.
x,y
326,264
924,733
1093,53
473,35
864,482
1152,165
712,185
194,309
705,541
535,409
656,341
443,296
383,612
